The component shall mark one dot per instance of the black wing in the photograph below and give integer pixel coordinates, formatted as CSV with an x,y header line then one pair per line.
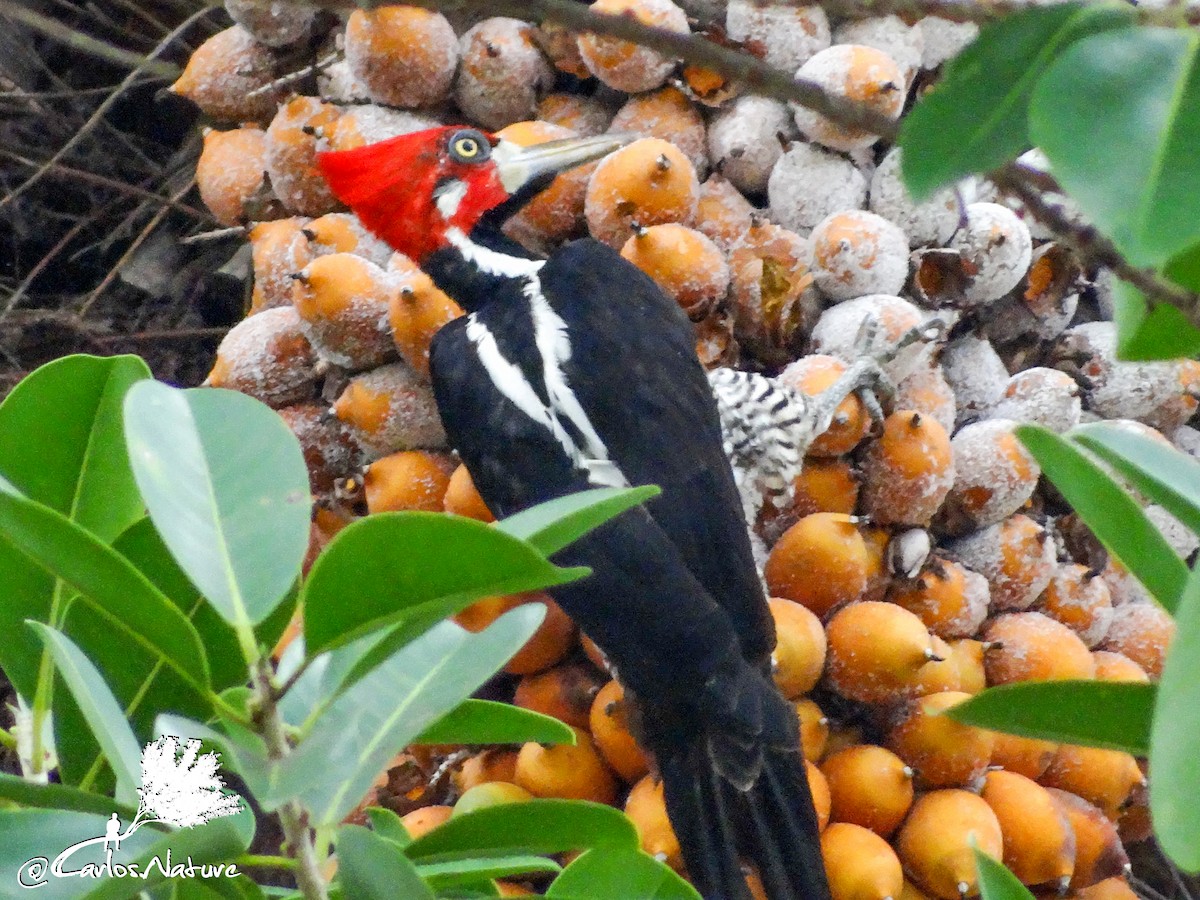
x,y
635,370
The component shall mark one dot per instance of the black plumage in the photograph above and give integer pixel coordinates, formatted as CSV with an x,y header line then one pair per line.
x,y
674,599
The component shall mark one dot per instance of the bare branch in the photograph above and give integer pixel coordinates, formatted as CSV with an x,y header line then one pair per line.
x,y
102,110
84,43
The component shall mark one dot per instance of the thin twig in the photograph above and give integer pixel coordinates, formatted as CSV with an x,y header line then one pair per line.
x,y
130,250
104,107
84,43
292,77
42,263
123,187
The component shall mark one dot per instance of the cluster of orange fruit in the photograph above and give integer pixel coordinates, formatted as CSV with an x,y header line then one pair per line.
x,y
917,562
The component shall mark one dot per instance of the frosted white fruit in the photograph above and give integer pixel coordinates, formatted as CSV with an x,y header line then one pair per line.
x,y
997,245
976,373
809,183
903,43
787,35
944,39
927,224
857,253
746,138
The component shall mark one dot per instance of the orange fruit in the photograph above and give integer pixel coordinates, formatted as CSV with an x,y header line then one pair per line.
x,y
609,721
570,772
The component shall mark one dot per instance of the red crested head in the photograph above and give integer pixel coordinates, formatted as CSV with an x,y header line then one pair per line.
x,y
414,190
395,186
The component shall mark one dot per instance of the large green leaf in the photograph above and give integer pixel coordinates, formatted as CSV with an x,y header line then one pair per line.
x,y
59,796
104,715
353,740
1160,472
1135,95
385,567
619,875
144,687
975,118
65,451
1175,739
533,826
1112,515
227,488
488,722
1092,713
550,526
373,868
996,882
1145,333
132,608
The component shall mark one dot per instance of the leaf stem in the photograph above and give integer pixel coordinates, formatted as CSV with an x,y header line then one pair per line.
x,y
261,861
292,816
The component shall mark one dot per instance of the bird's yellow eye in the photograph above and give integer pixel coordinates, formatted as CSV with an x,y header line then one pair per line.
x,y
469,146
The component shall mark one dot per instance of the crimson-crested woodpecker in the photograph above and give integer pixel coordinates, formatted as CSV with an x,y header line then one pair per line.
x,y
577,371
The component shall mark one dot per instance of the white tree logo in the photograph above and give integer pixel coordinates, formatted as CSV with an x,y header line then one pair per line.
x,y
183,790
180,787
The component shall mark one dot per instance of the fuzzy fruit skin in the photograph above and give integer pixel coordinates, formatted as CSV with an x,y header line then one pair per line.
x,y
1034,647
908,471
799,655
943,752
935,842
1104,778
405,56
1098,851
573,773
821,562
876,650
648,182
870,786
625,66
860,864
1039,842
229,173
647,808
609,722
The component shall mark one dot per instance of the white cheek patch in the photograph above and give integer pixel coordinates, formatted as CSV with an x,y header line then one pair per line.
x,y
448,196
512,174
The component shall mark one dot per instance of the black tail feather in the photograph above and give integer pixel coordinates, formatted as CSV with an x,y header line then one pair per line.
x,y
701,823
772,825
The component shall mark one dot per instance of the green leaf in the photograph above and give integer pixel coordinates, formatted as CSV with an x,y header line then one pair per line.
x,y
70,455
59,796
488,722
974,120
1113,516
66,453
1107,714
1184,268
1150,334
366,726
227,488
1175,739
550,526
371,868
534,826
388,826
143,687
1163,474
1136,95
104,715
132,608
394,563
995,881
618,875
443,873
